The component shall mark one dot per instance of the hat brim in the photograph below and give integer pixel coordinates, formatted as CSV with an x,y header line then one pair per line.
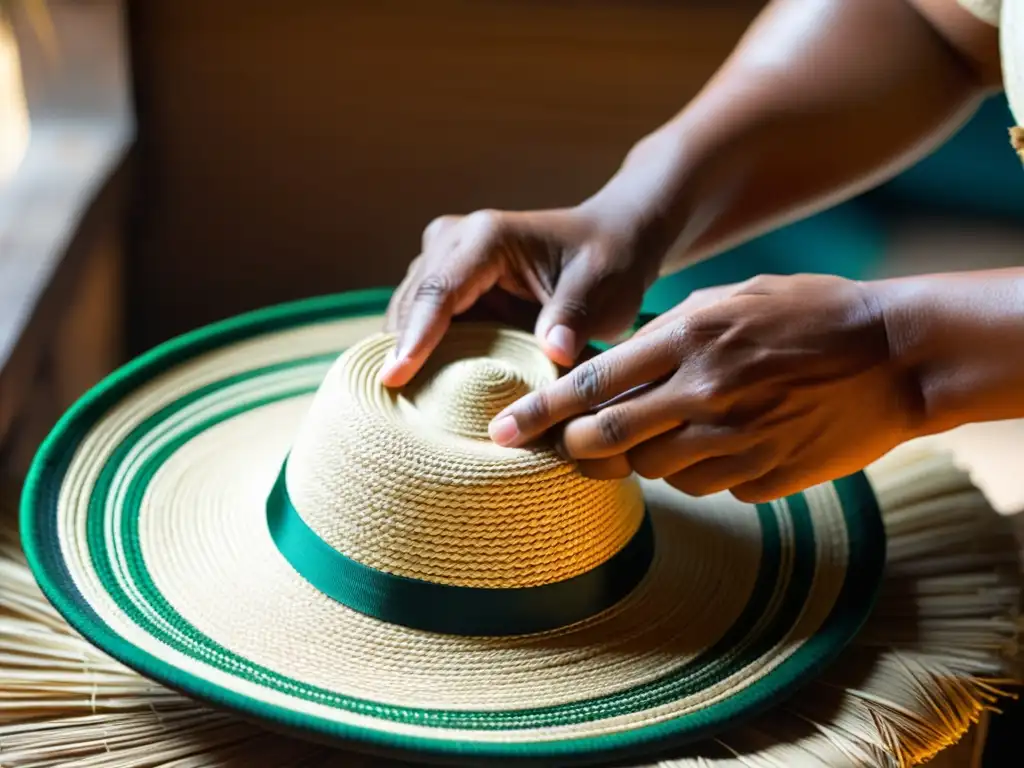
x,y
143,519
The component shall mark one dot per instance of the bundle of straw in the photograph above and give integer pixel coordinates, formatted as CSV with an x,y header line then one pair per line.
x,y
937,654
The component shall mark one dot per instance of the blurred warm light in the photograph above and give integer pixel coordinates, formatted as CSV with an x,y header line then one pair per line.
x,y
14,125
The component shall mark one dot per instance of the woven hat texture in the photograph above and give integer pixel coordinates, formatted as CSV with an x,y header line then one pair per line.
x,y
151,521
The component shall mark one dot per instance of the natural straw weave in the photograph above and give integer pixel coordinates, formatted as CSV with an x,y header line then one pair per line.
x,y
160,521
146,523
410,483
942,641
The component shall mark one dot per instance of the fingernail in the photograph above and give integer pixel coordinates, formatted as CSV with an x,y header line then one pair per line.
x,y
504,430
563,338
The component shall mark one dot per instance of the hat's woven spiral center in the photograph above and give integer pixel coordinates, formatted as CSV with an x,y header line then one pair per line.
x,y
408,482
464,396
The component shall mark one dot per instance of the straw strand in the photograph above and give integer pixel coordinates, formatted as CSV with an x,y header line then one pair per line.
x,y
938,653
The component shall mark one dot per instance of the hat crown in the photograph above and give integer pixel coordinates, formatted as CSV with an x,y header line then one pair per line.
x,y
408,482
464,396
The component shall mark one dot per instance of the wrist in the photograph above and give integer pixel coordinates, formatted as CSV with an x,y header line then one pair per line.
x,y
638,200
903,306
888,308
955,338
680,188
666,194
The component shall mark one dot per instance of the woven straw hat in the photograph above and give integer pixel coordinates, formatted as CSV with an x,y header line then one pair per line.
x,y
246,515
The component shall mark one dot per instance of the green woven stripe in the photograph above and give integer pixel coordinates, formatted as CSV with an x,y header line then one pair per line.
x,y
41,539
722,660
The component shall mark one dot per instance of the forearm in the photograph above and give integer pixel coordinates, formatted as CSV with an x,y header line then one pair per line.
x,y
960,338
821,100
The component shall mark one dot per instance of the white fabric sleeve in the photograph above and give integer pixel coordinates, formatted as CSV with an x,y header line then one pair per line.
x,y
986,10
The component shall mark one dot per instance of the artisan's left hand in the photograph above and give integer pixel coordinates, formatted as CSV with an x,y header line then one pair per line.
x,y
763,388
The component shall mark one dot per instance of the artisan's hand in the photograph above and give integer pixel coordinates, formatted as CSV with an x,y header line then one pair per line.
x,y
762,388
580,274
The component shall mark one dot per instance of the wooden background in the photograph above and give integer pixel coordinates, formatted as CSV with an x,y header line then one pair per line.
x,y
291,149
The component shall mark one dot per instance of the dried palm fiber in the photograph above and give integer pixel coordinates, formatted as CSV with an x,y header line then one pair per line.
x,y
937,653
248,516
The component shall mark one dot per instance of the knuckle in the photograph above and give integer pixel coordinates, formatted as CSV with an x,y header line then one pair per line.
x,y
761,284
693,483
603,261
769,484
438,225
679,335
575,307
434,289
612,428
694,401
709,383
535,409
615,468
714,386
589,381
434,233
645,467
688,485
485,223
647,461
705,323
755,493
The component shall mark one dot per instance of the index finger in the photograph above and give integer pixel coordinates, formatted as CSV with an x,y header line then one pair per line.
x,y
461,276
398,304
437,298
596,382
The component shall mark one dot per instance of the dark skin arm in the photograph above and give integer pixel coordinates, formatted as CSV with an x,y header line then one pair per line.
x,y
770,386
820,100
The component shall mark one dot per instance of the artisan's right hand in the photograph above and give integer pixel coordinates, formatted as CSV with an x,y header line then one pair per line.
x,y
583,276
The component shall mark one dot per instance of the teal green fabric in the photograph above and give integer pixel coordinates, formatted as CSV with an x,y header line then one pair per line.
x,y
447,609
975,173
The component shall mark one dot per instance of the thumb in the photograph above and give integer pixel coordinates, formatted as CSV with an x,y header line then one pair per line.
x,y
589,302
